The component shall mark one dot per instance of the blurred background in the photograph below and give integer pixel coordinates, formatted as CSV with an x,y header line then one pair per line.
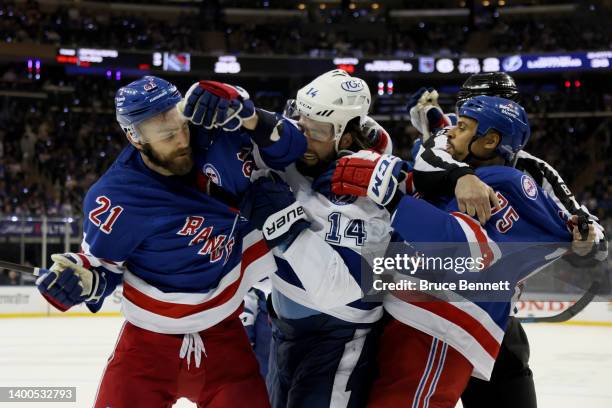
x,y
62,61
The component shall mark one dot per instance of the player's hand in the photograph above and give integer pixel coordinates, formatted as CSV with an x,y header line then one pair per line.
x,y
425,112
584,235
377,136
68,283
475,198
271,207
367,173
214,104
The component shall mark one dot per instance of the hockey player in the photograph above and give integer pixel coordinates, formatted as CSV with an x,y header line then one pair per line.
x,y
490,131
437,174
324,334
167,230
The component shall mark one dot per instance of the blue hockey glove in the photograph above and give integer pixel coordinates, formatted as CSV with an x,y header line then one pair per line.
x,y
68,283
214,104
271,207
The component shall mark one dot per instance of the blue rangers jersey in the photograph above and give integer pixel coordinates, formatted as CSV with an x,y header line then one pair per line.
x,y
527,215
187,258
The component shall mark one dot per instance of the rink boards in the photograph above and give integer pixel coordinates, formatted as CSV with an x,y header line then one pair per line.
x,y
26,301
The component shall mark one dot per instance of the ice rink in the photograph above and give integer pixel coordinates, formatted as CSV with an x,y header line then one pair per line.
x,y
572,364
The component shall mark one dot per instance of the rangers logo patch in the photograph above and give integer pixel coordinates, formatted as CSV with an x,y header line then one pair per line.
x,y
149,86
212,173
529,187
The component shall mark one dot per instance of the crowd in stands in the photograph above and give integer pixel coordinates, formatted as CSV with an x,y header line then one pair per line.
x,y
335,30
55,144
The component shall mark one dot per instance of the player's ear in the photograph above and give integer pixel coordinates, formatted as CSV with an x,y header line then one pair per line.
x,y
132,140
491,140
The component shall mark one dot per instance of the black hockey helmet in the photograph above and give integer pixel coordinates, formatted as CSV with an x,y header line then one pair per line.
x,y
490,84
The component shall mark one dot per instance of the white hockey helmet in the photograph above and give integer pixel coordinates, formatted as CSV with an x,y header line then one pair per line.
x,y
335,97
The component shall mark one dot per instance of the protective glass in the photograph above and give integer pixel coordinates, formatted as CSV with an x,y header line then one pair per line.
x,y
319,131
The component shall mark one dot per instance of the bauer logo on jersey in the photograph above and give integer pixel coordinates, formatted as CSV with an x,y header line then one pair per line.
x,y
212,173
353,85
529,187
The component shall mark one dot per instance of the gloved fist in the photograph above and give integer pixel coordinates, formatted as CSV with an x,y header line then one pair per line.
x,y
367,173
377,136
68,283
214,104
271,207
425,112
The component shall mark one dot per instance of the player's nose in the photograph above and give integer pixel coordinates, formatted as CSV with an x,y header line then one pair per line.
x,y
183,139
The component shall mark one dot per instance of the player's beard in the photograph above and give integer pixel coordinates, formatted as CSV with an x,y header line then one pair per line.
x,y
179,162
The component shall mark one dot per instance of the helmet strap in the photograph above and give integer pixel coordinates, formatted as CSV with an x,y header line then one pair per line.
x,y
473,158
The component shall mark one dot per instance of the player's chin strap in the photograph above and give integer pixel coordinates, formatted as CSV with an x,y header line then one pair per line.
x,y
192,343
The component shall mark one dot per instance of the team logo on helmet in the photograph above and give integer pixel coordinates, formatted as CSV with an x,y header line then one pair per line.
x,y
529,187
149,86
211,172
352,85
509,109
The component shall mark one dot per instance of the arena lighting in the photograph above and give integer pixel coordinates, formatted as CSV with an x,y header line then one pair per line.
x,y
157,59
490,64
577,84
227,64
445,65
557,61
568,84
388,66
322,6
486,3
352,6
301,6
501,3
381,88
389,87
469,66
375,6
347,64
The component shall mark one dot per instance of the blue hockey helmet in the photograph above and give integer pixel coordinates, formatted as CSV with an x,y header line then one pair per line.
x,y
143,99
506,117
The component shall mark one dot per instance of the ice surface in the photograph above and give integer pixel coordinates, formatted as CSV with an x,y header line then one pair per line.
x,y
572,364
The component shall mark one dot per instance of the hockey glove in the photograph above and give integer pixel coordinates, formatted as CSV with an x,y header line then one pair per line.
x,y
367,173
214,104
271,207
425,113
67,283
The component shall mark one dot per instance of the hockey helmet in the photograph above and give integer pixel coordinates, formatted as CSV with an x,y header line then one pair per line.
x,y
335,97
506,117
143,99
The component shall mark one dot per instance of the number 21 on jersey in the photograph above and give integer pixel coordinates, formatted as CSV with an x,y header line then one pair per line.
x,y
103,207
